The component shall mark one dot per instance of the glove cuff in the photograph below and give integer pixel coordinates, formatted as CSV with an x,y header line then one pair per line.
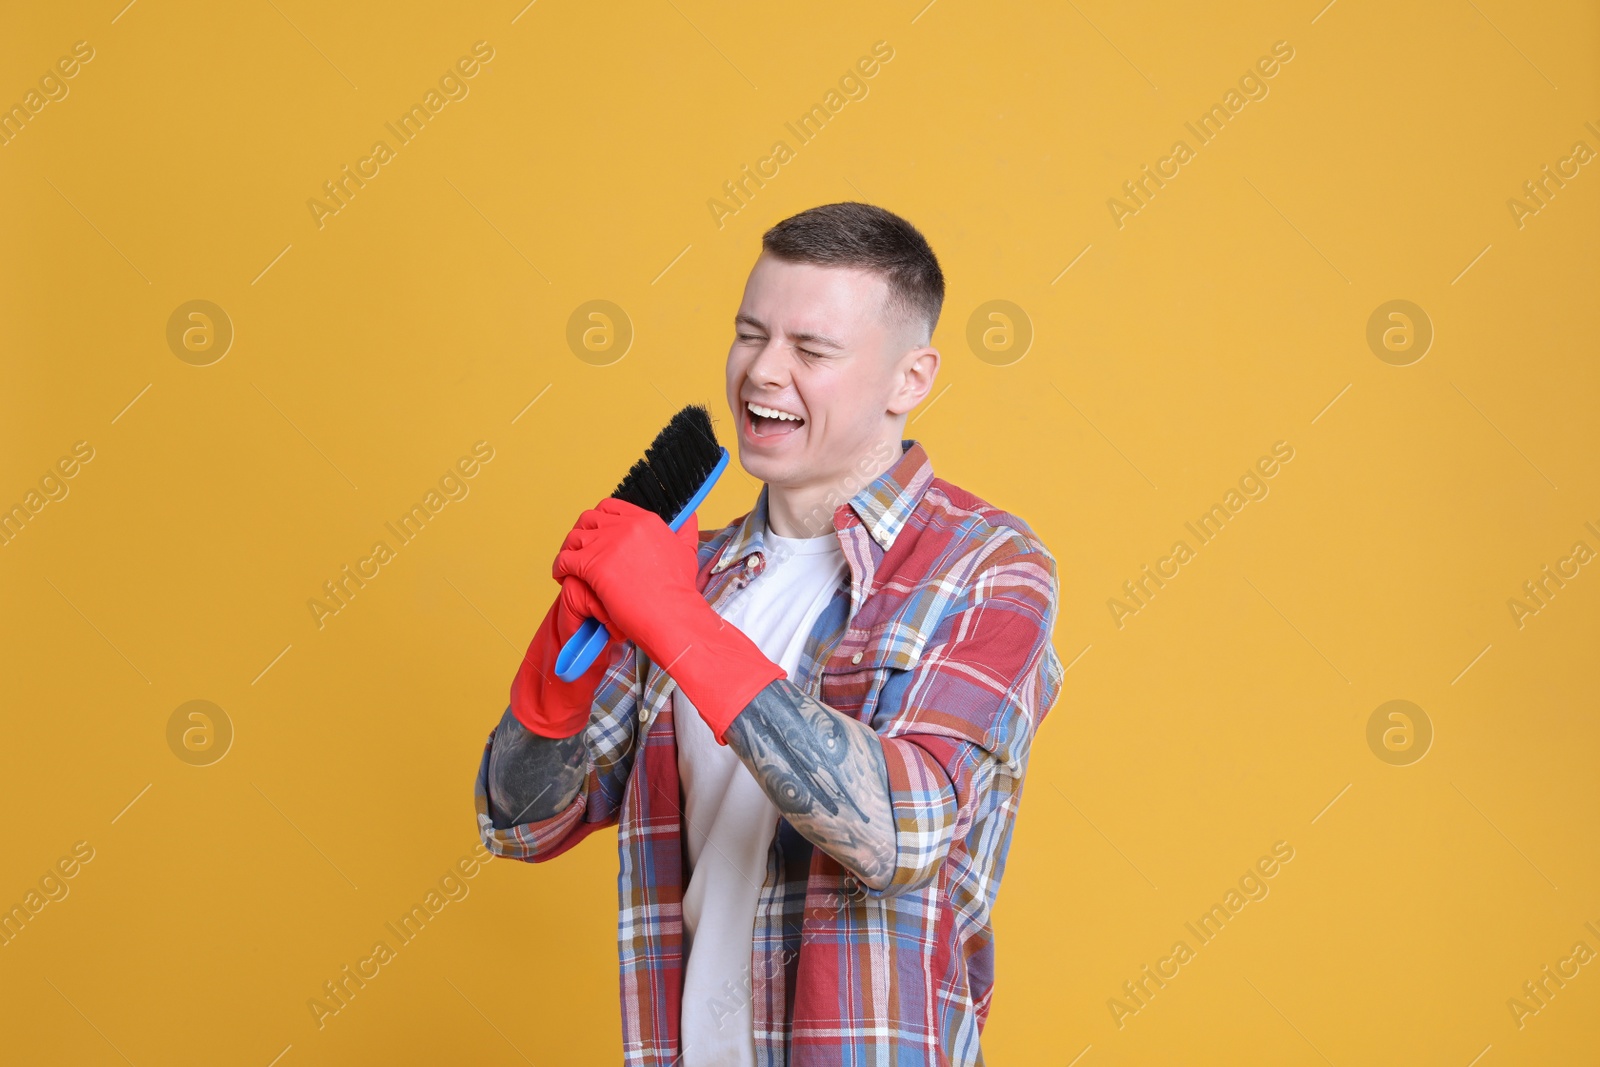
x,y
721,670
543,703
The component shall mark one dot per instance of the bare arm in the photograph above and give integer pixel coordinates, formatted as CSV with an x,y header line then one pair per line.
x,y
532,777
824,772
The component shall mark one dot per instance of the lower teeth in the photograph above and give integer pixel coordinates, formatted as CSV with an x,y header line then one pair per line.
x,y
768,425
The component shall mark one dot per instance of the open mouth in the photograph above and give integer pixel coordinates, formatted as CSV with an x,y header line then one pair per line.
x,y
766,422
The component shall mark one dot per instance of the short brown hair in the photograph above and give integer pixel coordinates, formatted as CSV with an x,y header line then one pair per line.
x,y
852,234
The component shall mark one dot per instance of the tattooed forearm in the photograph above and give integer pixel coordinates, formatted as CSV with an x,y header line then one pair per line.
x,y
532,777
825,772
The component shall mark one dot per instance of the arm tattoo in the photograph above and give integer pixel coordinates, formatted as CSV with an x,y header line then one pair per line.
x,y
824,772
532,777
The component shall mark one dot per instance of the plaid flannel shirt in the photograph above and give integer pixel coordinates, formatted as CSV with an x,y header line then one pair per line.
x,y
942,644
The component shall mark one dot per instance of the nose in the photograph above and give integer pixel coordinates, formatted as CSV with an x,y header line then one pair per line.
x,y
768,368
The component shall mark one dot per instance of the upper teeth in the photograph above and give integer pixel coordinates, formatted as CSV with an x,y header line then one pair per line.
x,y
772,413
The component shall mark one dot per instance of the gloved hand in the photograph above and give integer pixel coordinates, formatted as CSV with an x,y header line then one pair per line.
x,y
644,576
542,702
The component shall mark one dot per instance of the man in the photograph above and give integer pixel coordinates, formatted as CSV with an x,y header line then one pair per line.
x,y
811,726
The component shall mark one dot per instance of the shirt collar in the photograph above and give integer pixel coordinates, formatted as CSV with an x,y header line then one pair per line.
x,y
882,507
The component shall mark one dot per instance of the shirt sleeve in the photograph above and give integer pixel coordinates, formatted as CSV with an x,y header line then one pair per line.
x,y
609,740
957,727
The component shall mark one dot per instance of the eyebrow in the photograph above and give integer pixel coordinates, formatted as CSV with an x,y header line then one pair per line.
x,y
804,338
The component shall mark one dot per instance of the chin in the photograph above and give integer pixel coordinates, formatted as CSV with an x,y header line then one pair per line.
x,y
758,466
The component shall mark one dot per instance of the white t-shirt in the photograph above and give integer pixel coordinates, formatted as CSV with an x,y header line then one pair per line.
x,y
728,819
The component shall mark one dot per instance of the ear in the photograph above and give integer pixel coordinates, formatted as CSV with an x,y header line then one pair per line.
x,y
917,371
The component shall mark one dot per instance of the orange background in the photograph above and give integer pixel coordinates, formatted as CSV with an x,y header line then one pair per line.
x,y
1163,357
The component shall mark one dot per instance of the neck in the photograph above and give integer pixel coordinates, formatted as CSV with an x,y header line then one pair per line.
x,y
807,510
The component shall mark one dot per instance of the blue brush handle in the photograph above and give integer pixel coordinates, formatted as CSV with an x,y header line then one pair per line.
x,y
579,653
580,650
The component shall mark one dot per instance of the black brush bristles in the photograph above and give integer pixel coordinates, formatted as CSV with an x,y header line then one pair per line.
x,y
675,465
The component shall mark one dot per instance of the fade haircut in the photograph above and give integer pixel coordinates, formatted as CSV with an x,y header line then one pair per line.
x,y
852,234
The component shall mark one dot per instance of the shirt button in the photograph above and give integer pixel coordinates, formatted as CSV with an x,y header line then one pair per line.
x,y
856,658
754,561
644,712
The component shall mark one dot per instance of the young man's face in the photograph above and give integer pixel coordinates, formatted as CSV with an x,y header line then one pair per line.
x,y
814,342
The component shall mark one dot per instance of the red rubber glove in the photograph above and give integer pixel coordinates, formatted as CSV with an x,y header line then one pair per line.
x,y
645,577
542,702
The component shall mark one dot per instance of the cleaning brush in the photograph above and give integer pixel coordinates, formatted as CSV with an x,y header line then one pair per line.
x,y
677,471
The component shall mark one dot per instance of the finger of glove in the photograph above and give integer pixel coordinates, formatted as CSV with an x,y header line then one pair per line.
x,y
569,561
584,549
614,505
636,537
591,517
622,518
577,603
